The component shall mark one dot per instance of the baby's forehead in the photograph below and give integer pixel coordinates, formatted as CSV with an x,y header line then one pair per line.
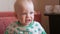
x,y
24,3
26,6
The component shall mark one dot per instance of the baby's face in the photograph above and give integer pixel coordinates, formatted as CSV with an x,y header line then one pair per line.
x,y
26,14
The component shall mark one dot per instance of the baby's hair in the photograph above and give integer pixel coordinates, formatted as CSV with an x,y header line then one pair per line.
x,y
23,0
18,4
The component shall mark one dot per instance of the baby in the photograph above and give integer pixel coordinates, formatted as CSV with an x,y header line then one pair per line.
x,y
25,25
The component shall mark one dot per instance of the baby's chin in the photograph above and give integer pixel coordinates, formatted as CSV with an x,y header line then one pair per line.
x,y
26,24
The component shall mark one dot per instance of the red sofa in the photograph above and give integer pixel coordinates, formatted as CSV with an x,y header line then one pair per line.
x,y
8,17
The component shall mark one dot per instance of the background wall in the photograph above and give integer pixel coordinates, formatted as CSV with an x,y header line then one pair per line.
x,y
6,5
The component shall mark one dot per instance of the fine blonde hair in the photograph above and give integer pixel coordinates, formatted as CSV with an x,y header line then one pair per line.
x,y
19,4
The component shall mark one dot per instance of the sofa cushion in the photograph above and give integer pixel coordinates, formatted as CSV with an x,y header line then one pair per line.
x,y
4,22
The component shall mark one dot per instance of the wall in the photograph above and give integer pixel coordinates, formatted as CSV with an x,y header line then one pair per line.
x,y
6,5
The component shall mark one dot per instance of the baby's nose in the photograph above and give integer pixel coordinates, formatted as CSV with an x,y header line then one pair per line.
x,y
28,15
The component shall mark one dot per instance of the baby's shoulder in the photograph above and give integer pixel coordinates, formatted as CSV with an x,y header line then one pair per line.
x,y
36,22
11,25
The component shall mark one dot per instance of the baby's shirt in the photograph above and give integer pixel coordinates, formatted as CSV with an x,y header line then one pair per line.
x,y
33,28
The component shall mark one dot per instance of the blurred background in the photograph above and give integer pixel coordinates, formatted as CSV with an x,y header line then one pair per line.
x,y
8,6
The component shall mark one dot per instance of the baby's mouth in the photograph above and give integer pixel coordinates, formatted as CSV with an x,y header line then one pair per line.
x,y
28,20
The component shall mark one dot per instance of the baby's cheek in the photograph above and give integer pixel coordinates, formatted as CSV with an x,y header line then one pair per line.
x,y
32,16
24,18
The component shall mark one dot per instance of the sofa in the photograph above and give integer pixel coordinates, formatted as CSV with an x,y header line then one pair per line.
x,y
9,17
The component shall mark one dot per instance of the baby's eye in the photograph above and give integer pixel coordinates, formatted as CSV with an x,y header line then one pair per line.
x,y
31,12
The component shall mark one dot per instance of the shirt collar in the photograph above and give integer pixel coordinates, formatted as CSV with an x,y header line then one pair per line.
x,y
19,24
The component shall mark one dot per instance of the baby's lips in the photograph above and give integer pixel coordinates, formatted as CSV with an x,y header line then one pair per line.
x,y
28,20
